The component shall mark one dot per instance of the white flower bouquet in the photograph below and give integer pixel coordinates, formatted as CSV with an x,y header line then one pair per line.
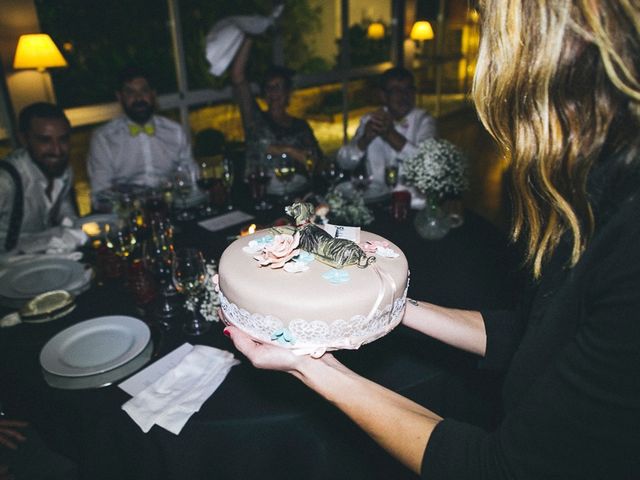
x,y
438,170
352,211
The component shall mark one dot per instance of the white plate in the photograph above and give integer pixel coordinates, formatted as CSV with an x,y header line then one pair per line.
x,y
375,193
29,278
102,379
95,346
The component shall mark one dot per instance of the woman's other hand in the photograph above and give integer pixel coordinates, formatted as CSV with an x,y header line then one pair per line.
x,y
9,435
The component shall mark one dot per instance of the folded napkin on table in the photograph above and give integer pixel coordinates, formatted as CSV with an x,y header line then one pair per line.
x,y
60,239
226,36
170,401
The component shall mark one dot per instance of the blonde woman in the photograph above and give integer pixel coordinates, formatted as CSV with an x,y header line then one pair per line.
x,y
558,86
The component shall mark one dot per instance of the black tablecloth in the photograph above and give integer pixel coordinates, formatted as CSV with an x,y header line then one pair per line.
x,y
262,424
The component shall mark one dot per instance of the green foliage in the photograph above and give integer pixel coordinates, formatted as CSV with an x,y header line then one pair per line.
x,y
103,40
107,37
363,50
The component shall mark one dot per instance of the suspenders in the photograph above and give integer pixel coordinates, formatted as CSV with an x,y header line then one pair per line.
x,y
15,221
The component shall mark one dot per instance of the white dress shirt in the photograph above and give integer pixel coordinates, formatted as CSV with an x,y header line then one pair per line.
x,y
416,127
116,157
39,211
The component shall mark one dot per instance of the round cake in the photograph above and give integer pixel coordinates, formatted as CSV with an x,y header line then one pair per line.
x,y
305,304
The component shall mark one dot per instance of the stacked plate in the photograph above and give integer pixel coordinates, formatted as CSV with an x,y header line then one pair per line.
x,y
96,352
26,279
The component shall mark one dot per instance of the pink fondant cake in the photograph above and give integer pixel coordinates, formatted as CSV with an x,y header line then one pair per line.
x,y
307,305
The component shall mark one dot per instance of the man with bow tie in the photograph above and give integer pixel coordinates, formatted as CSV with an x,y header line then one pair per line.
x,y
139,147
392,133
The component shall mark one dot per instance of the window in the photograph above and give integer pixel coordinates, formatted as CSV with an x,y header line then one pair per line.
x,y
98,41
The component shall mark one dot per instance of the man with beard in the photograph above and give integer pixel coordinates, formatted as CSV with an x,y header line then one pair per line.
x,y
391,134
139,147
36,183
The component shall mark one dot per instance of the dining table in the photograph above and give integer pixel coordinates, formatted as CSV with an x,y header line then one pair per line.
x,y
265,424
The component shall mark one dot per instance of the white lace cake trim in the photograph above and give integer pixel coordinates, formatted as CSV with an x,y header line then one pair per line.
x,y
316,337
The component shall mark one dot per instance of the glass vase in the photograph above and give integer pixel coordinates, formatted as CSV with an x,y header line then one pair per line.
x,y
432,223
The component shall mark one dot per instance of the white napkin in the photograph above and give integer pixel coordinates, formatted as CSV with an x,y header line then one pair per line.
x,y
170,401
61,239
226,36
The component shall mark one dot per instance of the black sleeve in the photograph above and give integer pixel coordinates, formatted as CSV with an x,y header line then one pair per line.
x,y
504,330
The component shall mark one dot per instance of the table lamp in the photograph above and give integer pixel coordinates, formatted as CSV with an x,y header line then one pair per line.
x,y
375,31
37,51
421,31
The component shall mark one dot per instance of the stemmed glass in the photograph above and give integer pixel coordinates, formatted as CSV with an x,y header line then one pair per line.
x,y
259,178
189,275
391,174
158,258
205,182
227,180
183,186
360,178
332,174
284,169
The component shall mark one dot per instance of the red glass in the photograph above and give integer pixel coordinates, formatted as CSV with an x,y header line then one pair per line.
x,y
400,205
141,283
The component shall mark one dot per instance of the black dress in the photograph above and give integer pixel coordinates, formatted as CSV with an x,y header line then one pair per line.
x,y
572,388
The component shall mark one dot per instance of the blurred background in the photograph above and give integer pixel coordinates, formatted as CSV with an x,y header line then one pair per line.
x,y
337,47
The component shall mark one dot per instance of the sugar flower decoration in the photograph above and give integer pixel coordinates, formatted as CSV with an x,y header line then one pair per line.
x,y
283,336
305,257
379,248
295,267
283,248
336,276
300,263
255,246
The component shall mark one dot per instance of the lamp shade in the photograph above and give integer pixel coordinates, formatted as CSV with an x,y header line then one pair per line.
x,y
375,31
421,30
37,50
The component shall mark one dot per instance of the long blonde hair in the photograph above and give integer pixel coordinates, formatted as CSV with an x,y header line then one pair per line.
x,y
557,83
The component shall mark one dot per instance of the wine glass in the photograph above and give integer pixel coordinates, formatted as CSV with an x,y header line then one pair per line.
x,y
332,174
120,240
285,169
223,175
258,179
391,173
205,182
227,180
183,186
360,177
158,258
189,275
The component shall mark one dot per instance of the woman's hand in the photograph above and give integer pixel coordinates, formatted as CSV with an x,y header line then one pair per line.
x,y
262,355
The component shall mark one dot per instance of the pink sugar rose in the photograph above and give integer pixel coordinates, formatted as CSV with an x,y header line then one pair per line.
x,y
280,251
372,246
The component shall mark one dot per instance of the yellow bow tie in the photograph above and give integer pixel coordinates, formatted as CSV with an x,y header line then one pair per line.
x,y
135,129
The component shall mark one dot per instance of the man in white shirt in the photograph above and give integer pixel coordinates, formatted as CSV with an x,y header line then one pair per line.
x,y
36,182
139,147
392,133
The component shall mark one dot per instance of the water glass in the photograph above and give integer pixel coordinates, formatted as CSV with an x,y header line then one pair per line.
x,y
189,275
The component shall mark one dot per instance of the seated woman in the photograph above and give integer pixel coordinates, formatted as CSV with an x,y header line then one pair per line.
x,y
273,132
558,85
